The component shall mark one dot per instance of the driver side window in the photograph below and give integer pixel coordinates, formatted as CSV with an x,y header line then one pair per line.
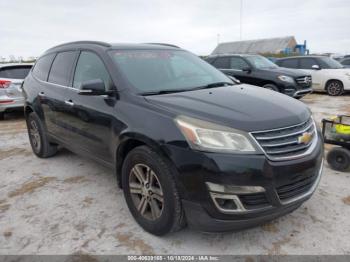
x,y
90,67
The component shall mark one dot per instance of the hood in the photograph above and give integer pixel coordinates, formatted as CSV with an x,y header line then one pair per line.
x,y
287,71
243,107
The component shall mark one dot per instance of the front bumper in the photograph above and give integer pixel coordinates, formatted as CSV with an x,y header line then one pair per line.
x,y
294,90
278,178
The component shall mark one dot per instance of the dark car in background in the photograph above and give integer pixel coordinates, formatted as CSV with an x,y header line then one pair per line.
x,y
11,78
259,71
345,62
188,145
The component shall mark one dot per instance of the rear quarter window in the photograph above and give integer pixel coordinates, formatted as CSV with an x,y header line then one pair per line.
x,y
18,72
42,67
61,69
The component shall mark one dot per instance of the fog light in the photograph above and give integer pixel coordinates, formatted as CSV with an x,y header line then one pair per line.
x,y
227,203
237,190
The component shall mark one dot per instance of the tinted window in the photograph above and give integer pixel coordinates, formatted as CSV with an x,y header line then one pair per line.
x,y
19,72
61,68
260,62
165,70
42,66
289,63
238,63
346,62
307,63
222,62
90,67
329,63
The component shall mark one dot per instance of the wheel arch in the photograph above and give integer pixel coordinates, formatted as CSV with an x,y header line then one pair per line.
x,y
27,110
127,143
332,79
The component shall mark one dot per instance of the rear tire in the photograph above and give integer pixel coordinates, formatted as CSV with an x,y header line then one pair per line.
x,y
335,88
2,115
339,158
271,87
38,137
150,191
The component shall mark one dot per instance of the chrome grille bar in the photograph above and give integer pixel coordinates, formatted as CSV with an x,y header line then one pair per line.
x,y
284,143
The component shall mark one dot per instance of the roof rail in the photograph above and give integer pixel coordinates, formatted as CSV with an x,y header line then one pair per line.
x,y
164,44
83,42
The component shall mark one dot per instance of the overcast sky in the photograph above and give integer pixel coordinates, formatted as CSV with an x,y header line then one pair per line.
x,y
28,28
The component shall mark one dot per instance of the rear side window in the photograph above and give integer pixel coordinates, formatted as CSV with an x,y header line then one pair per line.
x,y
238,63
61,68
90,67
289,63
42,67
222,63
19,72
346,62
307,63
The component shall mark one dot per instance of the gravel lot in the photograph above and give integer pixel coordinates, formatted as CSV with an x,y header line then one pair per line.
x,y
68,204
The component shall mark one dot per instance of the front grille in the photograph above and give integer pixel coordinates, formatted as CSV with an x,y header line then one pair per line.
x,y
295,188
286,142
304,81
254,201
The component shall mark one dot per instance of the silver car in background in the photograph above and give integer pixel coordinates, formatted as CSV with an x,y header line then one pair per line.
x,y
11,79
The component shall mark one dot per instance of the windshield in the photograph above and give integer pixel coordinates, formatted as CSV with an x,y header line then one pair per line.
x,y
260,62
166,70
329,63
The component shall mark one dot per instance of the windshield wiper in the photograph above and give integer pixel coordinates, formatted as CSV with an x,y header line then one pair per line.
x,y
162,92
212,85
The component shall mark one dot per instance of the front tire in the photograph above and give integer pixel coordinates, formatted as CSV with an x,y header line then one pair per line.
x,y
271,87
150,191
339,159
2,115
38,137
335,88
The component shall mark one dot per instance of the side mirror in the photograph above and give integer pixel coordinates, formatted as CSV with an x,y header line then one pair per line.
x,y
234,79
93,87
247,69
316,67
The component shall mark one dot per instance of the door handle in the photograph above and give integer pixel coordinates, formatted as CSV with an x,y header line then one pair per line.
x,y
69,102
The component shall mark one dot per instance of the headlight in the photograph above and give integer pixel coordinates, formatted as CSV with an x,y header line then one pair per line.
x,y
286,79
206,136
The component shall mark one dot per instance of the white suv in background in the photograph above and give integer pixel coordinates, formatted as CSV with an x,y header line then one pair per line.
x,y
11,78
327,74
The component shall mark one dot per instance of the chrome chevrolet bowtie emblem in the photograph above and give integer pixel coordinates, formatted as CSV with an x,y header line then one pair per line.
x,y
305,138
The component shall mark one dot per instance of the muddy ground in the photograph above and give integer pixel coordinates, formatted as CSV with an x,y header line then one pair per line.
x,y
68,204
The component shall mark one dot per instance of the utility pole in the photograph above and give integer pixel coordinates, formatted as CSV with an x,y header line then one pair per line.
x,y
241,19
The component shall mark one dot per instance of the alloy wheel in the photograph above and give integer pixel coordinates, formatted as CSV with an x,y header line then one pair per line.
x,y
146,192
35,135
334,88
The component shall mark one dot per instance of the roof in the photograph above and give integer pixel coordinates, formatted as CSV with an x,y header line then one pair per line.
x,y
112,45
230,54
302,56
268,45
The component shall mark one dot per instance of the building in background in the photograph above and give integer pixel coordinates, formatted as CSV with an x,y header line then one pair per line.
x,y
270,46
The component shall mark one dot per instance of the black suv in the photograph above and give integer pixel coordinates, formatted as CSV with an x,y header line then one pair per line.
x,y
258,70
188,145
